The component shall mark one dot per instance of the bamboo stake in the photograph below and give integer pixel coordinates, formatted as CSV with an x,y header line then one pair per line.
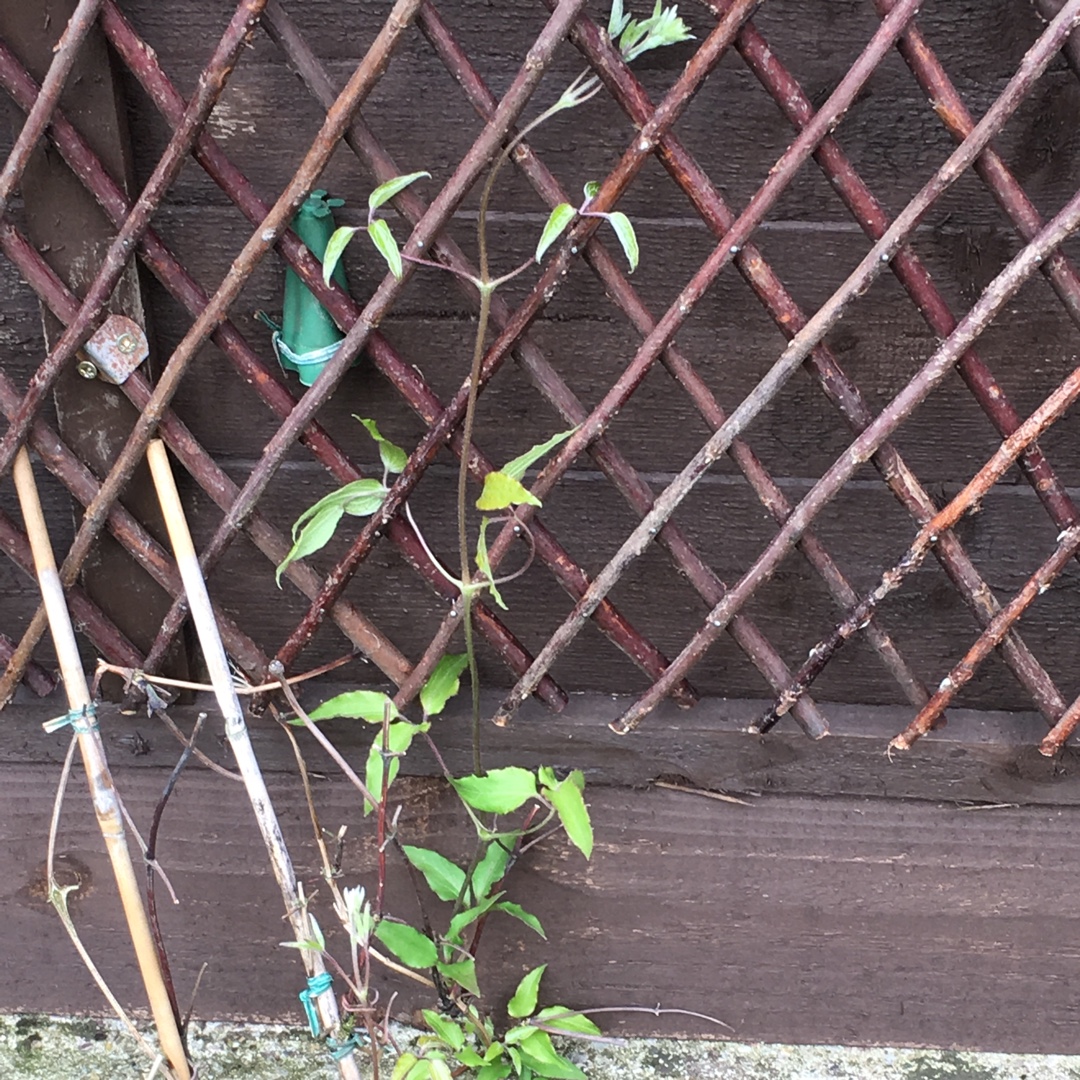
x,y
236,731
102,790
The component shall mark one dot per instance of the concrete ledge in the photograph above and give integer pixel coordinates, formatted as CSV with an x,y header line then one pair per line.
x,y
80,1048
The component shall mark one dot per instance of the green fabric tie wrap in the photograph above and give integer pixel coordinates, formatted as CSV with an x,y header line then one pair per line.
x,y
309,336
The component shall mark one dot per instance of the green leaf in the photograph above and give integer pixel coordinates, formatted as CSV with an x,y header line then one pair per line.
x,y
420,1071
366,502
527,917
625,232
463,972
518,1034
444,878
384,241
483,564
385,192
314,536
616,20
570,806
663,27
501,791
443,683
502,491
490,869
335,248
407,943
439,1069
519,465
558,1016
468,1056
560,217
394,459
469,916
369,705
356,492
591,189
445,1028
497,1070
538,1053
523,1003
403,1065
308,943
399,737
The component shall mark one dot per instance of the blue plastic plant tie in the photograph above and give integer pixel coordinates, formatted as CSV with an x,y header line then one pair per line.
x,y
316,985
307,365
343,1049
82,721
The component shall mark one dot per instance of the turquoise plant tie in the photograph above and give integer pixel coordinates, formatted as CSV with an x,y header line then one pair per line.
x,y
316,985
82,721
309,337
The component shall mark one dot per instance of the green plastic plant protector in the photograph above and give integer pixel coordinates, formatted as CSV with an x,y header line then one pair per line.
x,y
309,337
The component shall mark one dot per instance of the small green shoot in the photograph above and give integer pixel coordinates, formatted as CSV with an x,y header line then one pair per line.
x,y
443,683
557,221
368,705
377,229
500,791
502,492
393,458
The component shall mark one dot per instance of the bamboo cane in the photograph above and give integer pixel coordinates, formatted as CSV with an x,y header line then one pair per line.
x,y
320,994
106,802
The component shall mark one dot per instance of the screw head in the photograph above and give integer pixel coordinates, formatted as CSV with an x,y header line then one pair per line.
x,y
87,369
127,343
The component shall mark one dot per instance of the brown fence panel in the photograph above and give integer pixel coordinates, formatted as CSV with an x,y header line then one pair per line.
x,y
713,515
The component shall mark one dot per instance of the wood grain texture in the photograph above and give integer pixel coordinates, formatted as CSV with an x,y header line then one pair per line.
x,y
794,919
978,756
737,133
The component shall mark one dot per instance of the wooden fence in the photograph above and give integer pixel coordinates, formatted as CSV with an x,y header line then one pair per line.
x,y
822,460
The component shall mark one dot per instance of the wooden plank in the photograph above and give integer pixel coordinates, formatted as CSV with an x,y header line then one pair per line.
x,y
733,126
731,341
979,756
794,919
865,529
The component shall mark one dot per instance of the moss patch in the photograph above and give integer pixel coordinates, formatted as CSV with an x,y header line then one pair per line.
x,y
79,1048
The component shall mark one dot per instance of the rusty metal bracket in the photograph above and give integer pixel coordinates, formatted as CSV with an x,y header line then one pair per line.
x,y
115,351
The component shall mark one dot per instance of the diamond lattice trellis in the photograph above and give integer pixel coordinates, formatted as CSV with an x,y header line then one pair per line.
x,y
661,556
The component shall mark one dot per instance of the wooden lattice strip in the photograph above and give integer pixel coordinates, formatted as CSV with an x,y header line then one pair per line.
x,y
142,547
1000,291
651,133
233,182
361,326
213,480
103,633
155,405
822,363
64,55
360,631
1048,413
908,269
1032,66
210,85
1010,196
625,297
40,681
706,57
357,628
554,389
